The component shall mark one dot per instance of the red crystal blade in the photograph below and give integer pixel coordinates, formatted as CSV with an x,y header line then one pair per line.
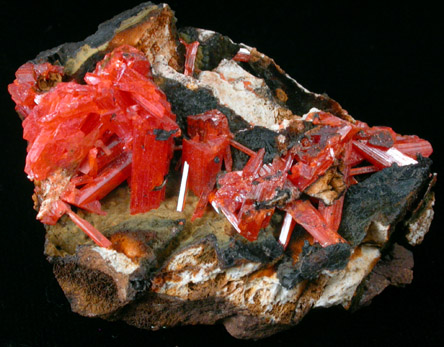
x,y
253,165
252,221
242,55
332,214
363,170
89,230
413,145
228,161
205,160
201,206
208,125
242,148
190,56
311,220
110,178
32,81
382,158
150,165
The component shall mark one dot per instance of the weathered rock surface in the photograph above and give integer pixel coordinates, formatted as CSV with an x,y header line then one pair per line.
x,y
395,268
170,271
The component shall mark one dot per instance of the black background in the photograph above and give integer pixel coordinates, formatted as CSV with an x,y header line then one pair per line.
x,y
383,63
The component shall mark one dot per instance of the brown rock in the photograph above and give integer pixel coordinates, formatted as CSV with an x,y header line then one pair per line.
x,y
395,269
166,270
94,284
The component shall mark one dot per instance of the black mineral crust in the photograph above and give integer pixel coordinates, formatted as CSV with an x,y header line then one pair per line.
x,y
299,101
95,288
311,262
255,138
95,44
384,197
186,102
264,250
212,49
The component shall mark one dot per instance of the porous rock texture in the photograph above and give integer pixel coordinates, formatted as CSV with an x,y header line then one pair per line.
x,y
169,271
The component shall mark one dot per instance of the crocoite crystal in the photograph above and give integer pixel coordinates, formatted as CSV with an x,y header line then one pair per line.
x,y
97,135
190,56
85,140
207,147
248,198
31,82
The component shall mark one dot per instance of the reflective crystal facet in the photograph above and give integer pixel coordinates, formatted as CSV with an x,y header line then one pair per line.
x,y
86,139
99,134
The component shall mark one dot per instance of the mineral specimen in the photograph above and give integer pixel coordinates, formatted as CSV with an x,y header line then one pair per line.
x,y
305,198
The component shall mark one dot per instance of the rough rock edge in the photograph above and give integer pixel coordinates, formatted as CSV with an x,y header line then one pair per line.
x,y
129,27
247,298
395,268
96,287
419,223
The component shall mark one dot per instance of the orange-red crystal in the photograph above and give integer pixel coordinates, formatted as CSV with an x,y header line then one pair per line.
x,y
100,133
86,139
205,151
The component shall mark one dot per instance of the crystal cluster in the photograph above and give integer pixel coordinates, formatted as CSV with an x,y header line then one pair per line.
x,y
86,139
249,197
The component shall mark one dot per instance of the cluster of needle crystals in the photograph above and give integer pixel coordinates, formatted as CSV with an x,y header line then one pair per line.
x,y
84,140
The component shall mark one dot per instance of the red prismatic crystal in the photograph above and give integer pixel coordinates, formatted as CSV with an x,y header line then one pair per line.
x,y
267,191
88,229
52,212
32,81
307,171
355,158
252,221
106,181
332,213
62,129
190,56
110,67
110,152
363,170
248,198
150,166
305,214
412,145
205,160
235,193
272,181
253,166
118,124
324,118
303,175
382,158
242,148
232,192
204,152
208,125
242,55
319,149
